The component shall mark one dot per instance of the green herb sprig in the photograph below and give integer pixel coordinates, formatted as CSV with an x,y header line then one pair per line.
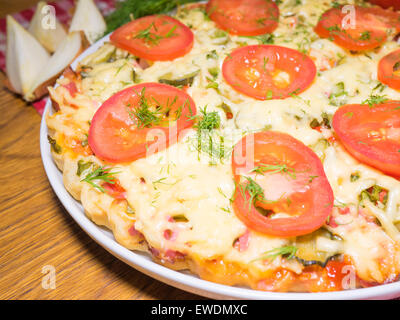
x,y
287,252
254,189
375,99
209,140
144,116
100,173
54,145
133,9
279,168
152,38
207,120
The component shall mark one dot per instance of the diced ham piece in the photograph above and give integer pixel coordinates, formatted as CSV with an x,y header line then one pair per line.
x,y
242,243
170,235
133,232
172,255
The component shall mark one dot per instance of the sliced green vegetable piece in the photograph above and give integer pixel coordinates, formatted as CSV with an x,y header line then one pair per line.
x,y
355,176
106,53
130,210
227,109
307,253
214,71
83,166
326,121
212,55
184,81
54,146
374,194
180,218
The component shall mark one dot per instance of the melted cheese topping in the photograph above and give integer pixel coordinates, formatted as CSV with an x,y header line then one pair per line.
x,y
181,182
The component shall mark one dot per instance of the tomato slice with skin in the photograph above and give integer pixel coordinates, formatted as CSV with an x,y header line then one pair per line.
x,y
389,70
371,134
155,38
292,180
368,32
395,4
268,72
244,17
137,122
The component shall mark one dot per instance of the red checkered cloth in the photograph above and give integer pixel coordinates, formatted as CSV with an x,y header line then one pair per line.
x,y
63,12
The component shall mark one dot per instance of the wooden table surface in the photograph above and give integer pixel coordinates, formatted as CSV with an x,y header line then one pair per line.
x,y
35,229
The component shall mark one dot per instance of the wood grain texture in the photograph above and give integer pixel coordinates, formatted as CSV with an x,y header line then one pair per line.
x,y
35,230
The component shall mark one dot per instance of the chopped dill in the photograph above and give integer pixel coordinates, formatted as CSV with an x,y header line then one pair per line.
x,y
366,35
375,99
153,38
254,189
267,38
287,252
100,173
209,140
146,114
279,168
132,9
208,120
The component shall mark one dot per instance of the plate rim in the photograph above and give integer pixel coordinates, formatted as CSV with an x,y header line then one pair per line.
x,y
183,281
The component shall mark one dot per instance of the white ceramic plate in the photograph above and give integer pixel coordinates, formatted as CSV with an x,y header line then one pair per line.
x,y
181,280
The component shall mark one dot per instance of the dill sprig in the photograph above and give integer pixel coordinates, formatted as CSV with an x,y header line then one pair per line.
x,y
149,112
267,38
148,36
338,95
100,173
133,9
143,116
278,168
287,252
208,140
255,192
153,38
375,99
208,120
254,189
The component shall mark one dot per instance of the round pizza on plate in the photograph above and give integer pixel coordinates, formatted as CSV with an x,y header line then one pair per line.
x,y
255,143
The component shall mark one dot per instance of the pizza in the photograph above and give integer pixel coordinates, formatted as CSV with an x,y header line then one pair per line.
x,y
255,143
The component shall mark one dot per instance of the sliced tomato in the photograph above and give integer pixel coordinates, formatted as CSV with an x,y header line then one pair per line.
x,y
244,17
291,179
395,4
389,70
368,31
156,38
268,72
371,134
136,121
